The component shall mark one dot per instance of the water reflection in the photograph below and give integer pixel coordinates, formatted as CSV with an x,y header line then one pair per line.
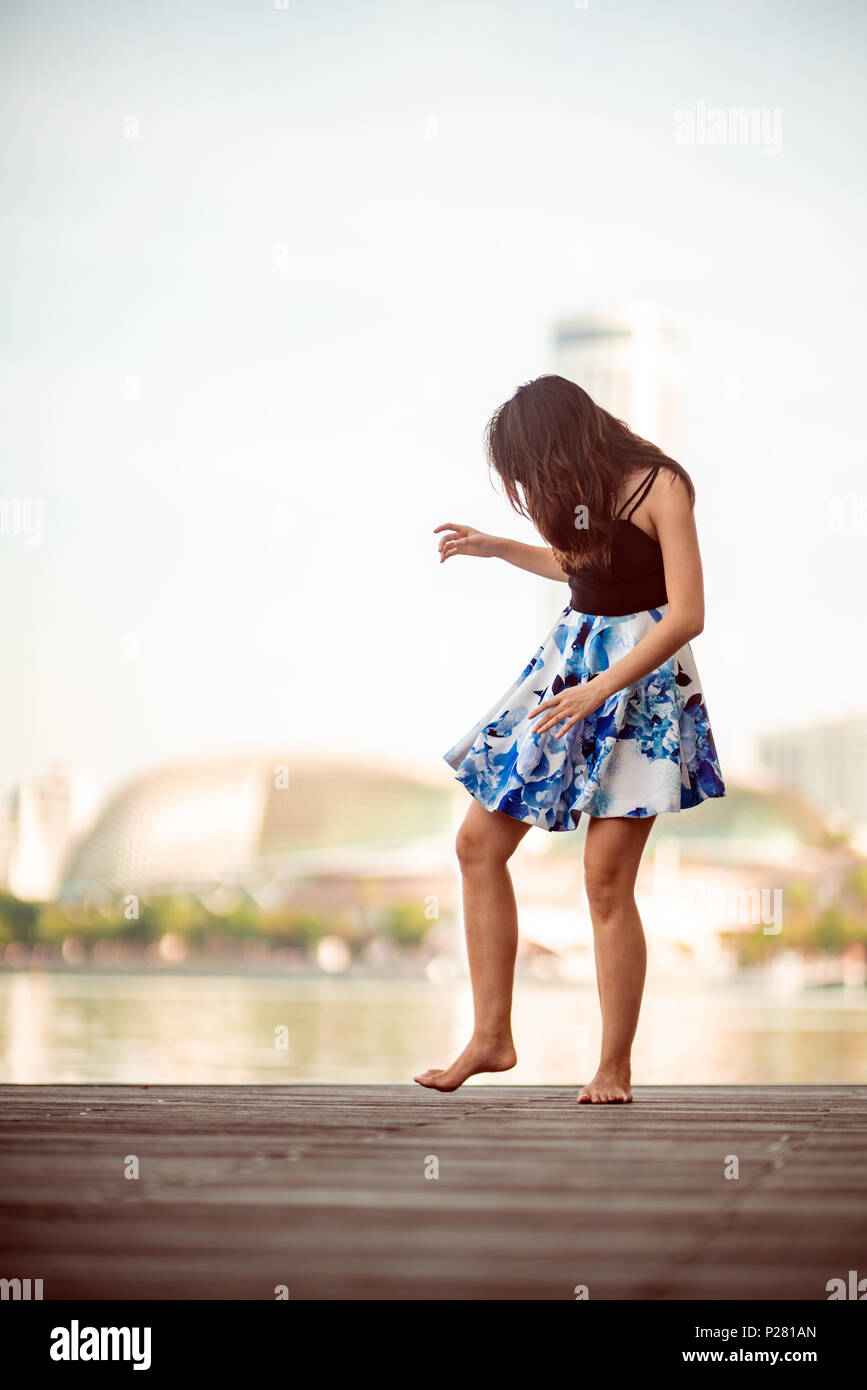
x,y
83,1027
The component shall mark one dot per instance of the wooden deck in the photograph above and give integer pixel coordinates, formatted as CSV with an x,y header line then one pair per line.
x,y
323,1189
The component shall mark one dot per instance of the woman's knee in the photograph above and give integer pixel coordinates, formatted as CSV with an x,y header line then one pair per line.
x,y
607,888
612,854
478,845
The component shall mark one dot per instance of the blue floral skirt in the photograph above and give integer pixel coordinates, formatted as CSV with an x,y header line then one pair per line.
x,y
646,750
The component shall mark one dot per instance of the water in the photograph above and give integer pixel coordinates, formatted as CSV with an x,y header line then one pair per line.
x,y
188,1028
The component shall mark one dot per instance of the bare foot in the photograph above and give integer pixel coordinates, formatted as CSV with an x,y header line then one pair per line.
x,y
608,1087
475,1058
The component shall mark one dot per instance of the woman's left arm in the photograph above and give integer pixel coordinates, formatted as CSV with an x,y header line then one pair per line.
x,y
670,511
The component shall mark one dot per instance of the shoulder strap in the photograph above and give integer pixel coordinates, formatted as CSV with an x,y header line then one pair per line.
x,y
638,496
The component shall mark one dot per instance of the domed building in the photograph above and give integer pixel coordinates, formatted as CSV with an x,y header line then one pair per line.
x,y
749,825
260,824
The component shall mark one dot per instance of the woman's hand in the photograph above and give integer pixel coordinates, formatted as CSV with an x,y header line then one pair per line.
x,y
463,540
573,704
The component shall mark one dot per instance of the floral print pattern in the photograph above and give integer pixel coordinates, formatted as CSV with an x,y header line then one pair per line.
x,y
648,749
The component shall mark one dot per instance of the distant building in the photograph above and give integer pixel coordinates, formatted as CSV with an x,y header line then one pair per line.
x,y
628,363
826,765
35,829
348,838
281,828
717,868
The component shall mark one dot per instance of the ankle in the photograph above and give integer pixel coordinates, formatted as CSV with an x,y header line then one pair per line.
x,y
618,1066
492,1039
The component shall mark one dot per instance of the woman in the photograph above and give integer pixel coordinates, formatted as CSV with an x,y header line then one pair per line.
x,y
608,718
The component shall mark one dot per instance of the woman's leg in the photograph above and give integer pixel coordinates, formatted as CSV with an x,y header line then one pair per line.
x,y
612,854
486,841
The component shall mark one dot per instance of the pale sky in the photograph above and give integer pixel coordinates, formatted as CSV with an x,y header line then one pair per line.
x,y
246,358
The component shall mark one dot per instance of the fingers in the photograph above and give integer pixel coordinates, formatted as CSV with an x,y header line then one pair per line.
x,y
460,540
563,717
555,714
550,719
549,724
548,704
451,545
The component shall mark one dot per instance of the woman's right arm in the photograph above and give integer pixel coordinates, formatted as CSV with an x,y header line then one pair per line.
x,y
538,559
463,540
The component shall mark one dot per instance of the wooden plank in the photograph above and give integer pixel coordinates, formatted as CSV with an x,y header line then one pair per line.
x,y
322,1188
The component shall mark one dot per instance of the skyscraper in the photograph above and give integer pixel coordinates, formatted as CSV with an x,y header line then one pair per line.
x,y
628,363
34,835
826,765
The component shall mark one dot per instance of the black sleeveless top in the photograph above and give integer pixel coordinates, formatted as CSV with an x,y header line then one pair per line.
x,y
635,579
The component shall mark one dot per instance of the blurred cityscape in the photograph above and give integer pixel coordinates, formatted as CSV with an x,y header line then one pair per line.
x,y
204,909
325,864
334,864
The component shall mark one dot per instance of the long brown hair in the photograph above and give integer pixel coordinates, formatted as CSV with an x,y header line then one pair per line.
x,y
555,449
